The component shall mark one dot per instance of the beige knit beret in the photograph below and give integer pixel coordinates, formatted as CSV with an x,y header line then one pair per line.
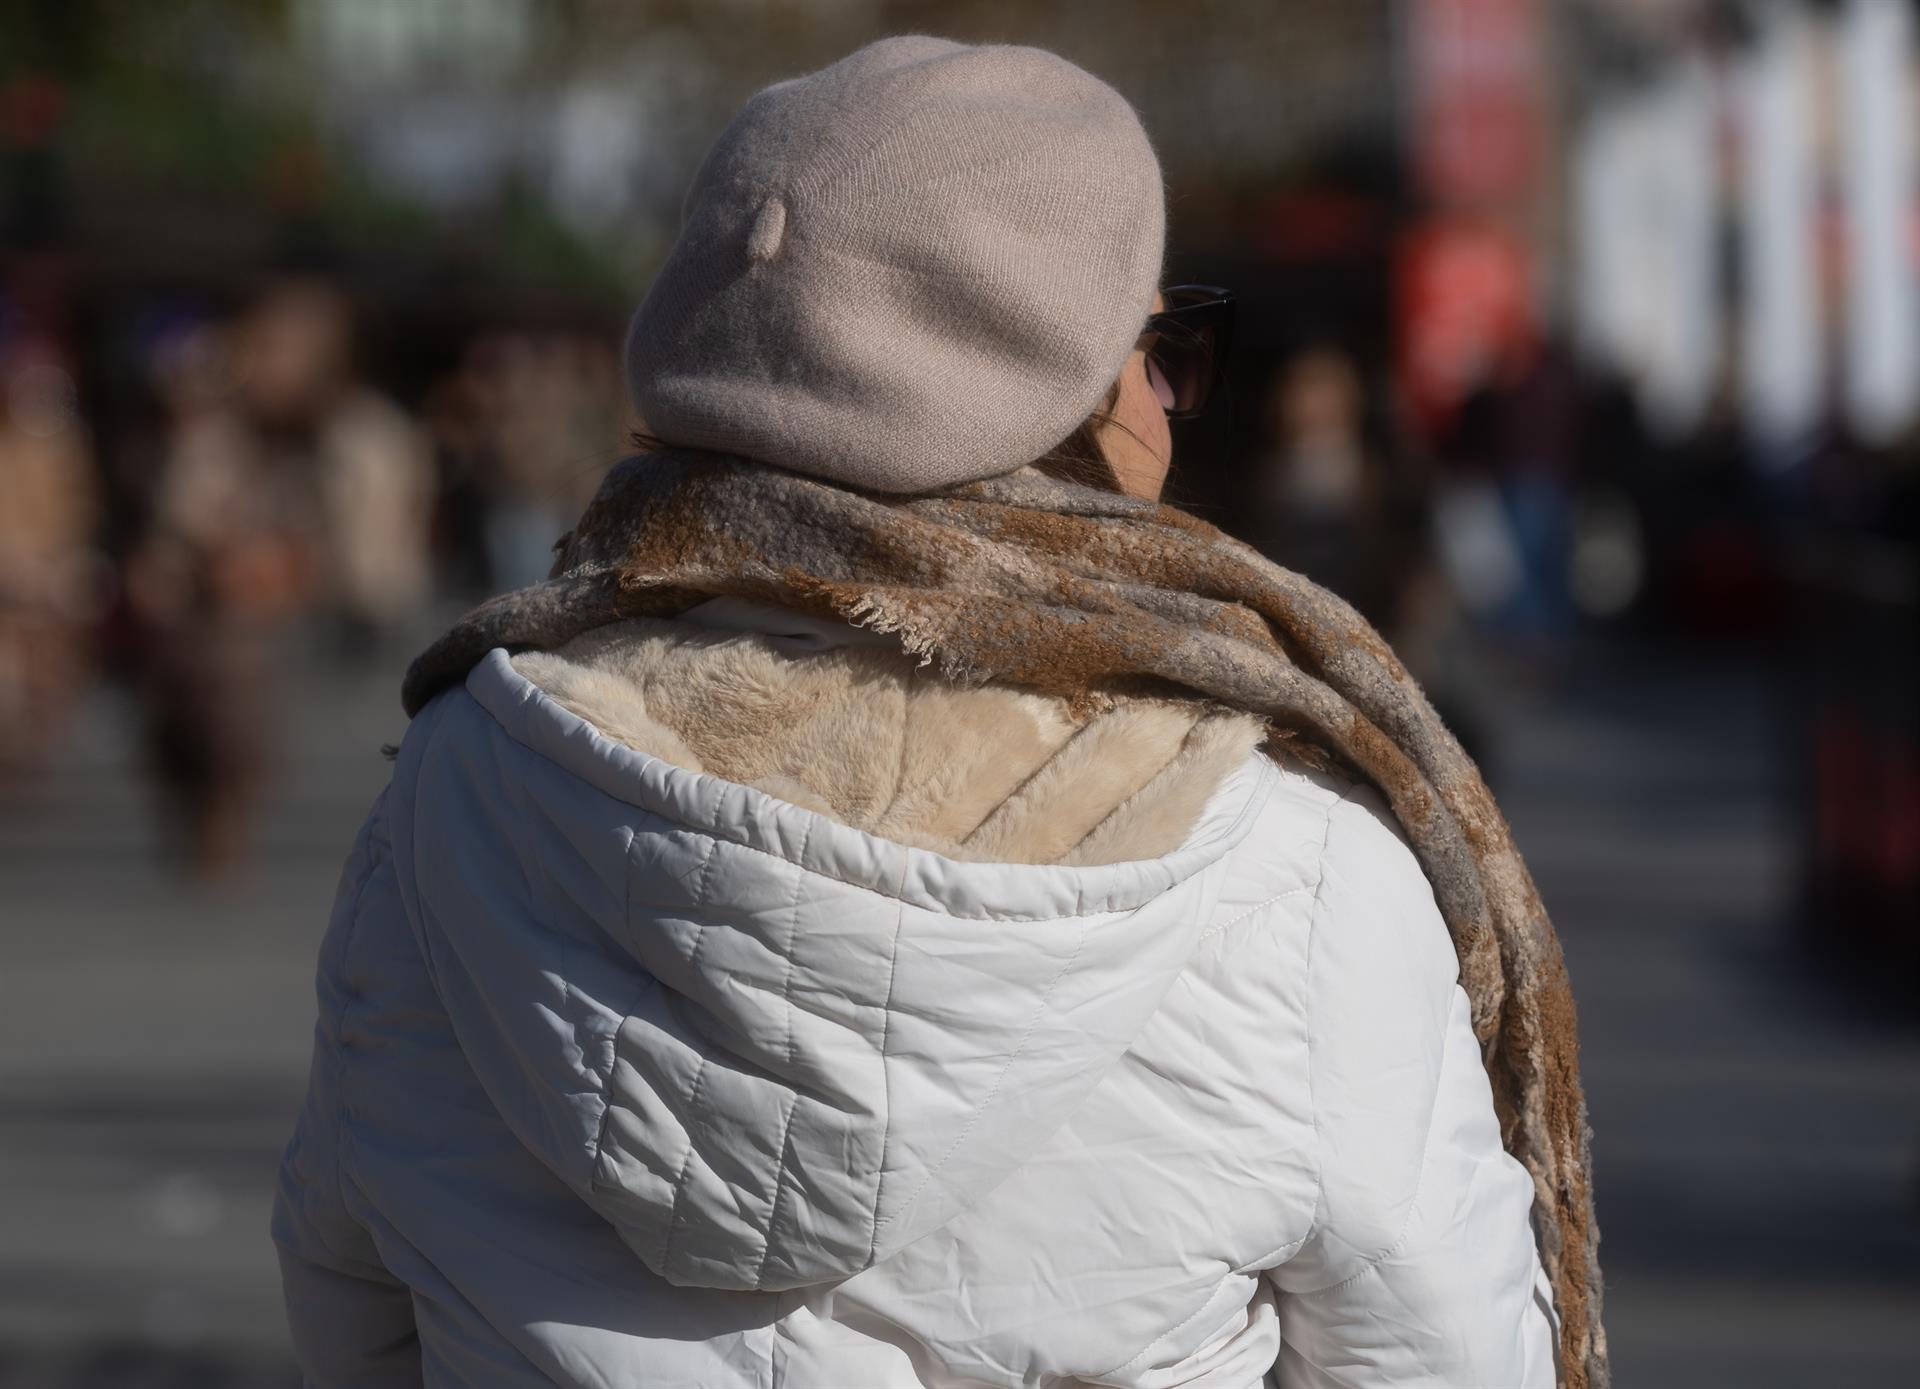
x,y
922,265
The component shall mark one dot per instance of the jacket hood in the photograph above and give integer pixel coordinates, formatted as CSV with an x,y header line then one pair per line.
x,y
771,1048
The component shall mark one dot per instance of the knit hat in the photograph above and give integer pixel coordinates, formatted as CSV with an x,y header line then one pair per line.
x,y
920,266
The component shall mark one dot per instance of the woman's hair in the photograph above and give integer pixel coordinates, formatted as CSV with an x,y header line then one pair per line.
x,y
1079,457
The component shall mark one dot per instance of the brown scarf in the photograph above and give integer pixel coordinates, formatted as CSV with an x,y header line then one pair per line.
x,y
1079,592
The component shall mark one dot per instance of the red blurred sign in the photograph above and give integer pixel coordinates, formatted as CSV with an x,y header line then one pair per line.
x,y
1476,107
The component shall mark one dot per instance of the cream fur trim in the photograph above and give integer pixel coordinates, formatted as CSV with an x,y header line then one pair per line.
x,y
865,735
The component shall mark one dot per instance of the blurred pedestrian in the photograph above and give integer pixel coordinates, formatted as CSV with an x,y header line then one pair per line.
x,y
554,411
1327,500
901,906
460,427
286,487
372,477
50,563
231,554
1521,431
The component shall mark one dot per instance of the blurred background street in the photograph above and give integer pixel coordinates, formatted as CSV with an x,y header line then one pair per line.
x,y
1578,346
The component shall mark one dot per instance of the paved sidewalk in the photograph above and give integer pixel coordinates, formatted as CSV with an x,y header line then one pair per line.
x,y
1757,1144
153,1049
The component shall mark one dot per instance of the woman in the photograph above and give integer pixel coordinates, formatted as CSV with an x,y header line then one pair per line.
x,y
883,914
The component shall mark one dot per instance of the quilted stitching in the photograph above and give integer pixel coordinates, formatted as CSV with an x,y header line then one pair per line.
x,y
680,1177
700,1073
779,1189
1313,932
886,1075
793,1103
1006,1066
792,948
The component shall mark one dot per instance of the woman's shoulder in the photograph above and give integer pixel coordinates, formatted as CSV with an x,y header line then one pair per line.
x,y
1330,859
1331,825
1329,916
1301,802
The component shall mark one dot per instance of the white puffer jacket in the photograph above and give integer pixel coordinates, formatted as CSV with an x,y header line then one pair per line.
x,y
630,1074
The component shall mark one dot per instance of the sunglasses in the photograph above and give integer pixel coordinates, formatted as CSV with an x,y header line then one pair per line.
x,y
1186,345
